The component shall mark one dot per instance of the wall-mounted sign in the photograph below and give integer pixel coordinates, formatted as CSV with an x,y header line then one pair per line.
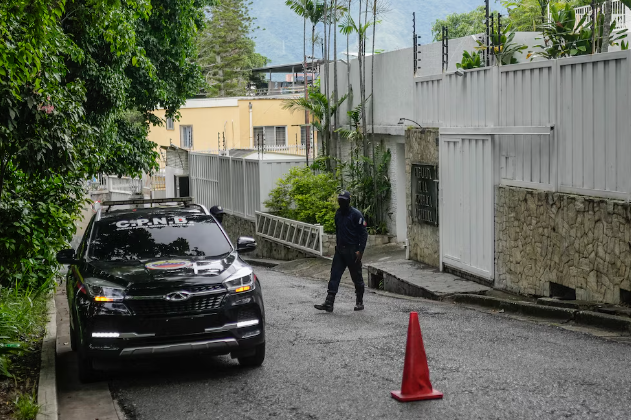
x,y
425,194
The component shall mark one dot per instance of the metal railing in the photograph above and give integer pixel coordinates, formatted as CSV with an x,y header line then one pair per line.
x,y
288,90
112,183
619,13
291,149
158,182
297,235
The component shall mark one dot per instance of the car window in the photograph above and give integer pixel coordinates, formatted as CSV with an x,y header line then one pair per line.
x,y
84,240
143,237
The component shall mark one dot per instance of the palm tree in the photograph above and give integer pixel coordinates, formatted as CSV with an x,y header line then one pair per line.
x,y
321,109
347,27
311,10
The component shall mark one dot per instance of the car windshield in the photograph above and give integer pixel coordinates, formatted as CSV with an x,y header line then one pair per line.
x,y
140,238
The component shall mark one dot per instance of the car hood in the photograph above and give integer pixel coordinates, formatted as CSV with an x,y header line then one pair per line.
x,y
160,273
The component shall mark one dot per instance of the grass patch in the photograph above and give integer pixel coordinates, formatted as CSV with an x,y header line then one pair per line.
x,y
26,407
23,317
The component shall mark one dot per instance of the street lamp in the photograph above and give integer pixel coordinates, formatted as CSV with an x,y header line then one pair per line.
x,y
402,120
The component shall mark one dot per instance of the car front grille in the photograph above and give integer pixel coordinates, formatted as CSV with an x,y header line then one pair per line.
x,y
197,304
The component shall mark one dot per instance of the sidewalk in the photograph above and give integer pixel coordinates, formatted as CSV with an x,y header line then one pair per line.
x,y
386,269
77,401
411,278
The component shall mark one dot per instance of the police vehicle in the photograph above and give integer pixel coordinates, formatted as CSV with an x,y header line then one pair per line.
x,y
158,281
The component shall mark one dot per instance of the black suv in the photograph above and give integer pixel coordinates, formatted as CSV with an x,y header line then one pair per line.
x,y
155,281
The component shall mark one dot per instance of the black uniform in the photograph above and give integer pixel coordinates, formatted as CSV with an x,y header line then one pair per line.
x,y
351,233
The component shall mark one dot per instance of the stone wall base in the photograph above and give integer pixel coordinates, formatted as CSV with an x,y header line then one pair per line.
x,y
579,242
423,239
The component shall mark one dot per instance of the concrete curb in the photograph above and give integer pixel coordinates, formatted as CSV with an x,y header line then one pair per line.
x,y
262,262
47,388
589,318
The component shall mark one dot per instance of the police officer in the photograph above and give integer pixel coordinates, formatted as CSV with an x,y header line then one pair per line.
x,y
350,229
218,212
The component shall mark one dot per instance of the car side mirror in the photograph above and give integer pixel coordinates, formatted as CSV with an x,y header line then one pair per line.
x,y
246,244
67,256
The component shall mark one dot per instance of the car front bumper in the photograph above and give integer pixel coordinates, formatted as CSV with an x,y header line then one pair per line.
x,y
235,329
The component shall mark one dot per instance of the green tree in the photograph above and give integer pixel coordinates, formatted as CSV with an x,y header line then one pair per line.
x,y
71,77
322,110
461,24
226,51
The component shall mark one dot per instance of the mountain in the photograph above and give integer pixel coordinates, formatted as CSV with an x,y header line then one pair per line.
x,y
280,36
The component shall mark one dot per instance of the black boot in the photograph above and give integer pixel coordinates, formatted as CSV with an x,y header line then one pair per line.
x,y
328,303
359,301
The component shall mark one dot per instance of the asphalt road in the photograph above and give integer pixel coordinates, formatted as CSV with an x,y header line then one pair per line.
x,y
343,366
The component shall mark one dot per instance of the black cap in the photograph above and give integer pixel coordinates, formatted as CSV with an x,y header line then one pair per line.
x,y
217,210
345,195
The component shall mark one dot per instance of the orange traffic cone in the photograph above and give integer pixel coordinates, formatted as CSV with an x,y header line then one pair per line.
x,y
416,385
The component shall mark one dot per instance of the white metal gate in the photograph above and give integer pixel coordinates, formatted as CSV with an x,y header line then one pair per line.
x,y
289,232
466,210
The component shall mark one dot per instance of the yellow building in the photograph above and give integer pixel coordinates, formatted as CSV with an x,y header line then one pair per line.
x,y
204,123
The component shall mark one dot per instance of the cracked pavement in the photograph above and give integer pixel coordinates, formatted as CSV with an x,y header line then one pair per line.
x,y
343,365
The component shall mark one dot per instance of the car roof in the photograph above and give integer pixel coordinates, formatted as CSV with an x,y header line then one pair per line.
x,y
121,214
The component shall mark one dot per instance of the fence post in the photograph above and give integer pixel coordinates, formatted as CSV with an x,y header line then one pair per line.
x,y
555,161
628,133
245,190
321,238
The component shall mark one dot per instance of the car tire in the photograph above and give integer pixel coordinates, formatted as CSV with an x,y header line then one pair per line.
x,y
255,360
87,373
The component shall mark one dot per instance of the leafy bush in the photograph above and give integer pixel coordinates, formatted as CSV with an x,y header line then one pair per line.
x,y
306,196
566,36
470,60
36,220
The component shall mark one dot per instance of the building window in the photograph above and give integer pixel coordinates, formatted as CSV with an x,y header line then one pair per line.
x,y
303,134
281,136
169,123
186,136
259,134
270,136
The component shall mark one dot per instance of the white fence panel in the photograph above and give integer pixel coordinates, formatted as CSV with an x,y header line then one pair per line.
x,y
470,101
595,133
271,171
429,100
239,185
225,183
467,207
204,179
586,99
252,191
527,98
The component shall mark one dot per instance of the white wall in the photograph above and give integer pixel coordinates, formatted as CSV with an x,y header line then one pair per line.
x,y
394,78
169,179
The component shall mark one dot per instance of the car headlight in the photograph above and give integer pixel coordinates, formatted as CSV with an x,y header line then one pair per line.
x,y
103,290
241,281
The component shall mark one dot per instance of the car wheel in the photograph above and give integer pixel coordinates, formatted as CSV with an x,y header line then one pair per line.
x,y
255,360
87,373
